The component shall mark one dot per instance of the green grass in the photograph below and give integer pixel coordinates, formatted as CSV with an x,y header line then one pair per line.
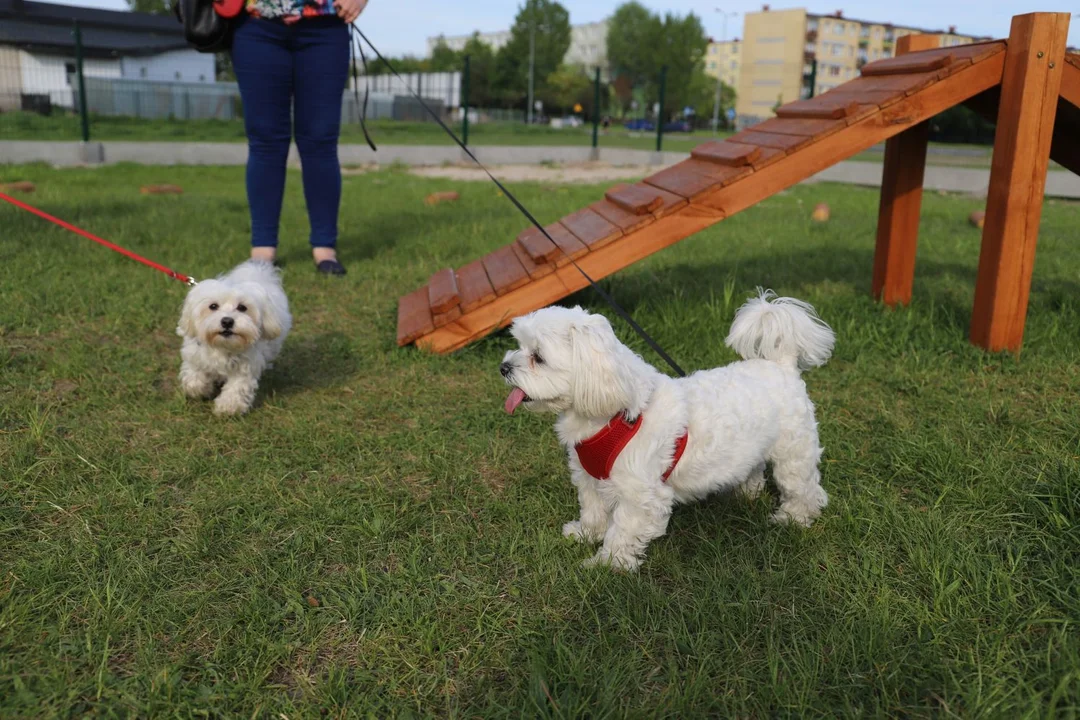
x,y
377,538
66,127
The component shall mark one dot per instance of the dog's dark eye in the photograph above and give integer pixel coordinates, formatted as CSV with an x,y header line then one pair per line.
x,y
537,359
242,308
213,306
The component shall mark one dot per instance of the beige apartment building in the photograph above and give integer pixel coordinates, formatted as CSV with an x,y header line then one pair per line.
x,y
723,60
779,48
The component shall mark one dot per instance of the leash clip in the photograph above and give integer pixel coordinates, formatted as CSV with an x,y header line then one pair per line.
x,y
191,282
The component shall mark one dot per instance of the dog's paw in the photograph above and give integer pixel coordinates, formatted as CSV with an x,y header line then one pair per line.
x,y
574,529
226,406
616,561
197,388
793,516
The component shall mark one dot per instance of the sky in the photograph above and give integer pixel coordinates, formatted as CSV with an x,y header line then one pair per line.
x,y
399,27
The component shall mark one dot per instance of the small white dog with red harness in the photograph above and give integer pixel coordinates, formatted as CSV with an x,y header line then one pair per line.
x,y
639,442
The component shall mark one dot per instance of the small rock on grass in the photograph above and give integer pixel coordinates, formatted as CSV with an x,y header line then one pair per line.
x,y
821,213
161,190
23,186
441,197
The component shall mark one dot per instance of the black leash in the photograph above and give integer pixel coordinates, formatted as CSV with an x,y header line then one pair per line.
x,y
361,109
524,211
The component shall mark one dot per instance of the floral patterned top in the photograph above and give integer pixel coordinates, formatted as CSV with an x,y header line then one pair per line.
x,y
290,10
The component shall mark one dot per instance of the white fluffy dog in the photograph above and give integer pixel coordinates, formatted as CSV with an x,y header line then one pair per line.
x,y
625,425
233,327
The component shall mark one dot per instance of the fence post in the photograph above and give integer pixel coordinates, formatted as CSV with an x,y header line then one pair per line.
x,y
660,110
82,83
465,103
596,117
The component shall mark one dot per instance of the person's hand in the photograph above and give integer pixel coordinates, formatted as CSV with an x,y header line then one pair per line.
x,y
349,10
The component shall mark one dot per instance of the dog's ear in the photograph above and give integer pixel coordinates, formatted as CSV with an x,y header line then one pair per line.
x,y
602,386
270,323
186,327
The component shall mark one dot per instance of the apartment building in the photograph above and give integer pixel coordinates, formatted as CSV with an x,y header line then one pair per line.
x,y
786,53
722,61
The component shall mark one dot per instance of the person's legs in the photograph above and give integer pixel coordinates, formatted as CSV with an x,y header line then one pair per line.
x,y
263,62
320,73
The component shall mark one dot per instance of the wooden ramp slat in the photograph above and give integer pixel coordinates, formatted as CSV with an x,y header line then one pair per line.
x,y
534,269
669,202
964,55
440,319
443,291
1070,85
803,127
414,317
540,249
474,286
917,62
727,153
505,270
635,198
822,107
785,143
693,178
591,228
571,248
626,221
902,85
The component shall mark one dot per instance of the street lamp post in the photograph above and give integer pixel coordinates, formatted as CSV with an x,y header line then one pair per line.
x,y
719,74
532,59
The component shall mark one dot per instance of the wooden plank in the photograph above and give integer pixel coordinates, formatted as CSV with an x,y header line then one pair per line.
x,y
443,291
900,84
768,157
726,153
920,62
414,316
571,248
474,286
821,107
504,270
1073,59
626,221
1070,84
898,215
540,249
567,280
1025,127
635,199
534,269
916,42
857,137
591,228
971,54
803,127
440,319
693,179
787,143
669,202
867,97
1065,148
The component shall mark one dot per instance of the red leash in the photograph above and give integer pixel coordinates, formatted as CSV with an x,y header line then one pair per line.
x,y
78,231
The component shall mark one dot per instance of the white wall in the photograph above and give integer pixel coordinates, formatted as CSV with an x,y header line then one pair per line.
x,y
43,74
174,66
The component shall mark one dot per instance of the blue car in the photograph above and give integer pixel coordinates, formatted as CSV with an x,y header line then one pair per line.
x,y
640,124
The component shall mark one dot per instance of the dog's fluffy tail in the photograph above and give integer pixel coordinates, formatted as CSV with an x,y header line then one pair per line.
x,y
783,330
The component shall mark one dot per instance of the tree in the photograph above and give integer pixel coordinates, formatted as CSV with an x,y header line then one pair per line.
x,y
566,87
640,43
154,7
549,23
443,59
481,71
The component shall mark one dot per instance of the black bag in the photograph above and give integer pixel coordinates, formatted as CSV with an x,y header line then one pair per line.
x,y
204,29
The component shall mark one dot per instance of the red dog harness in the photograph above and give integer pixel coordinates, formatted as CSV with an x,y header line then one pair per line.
x,y
598,453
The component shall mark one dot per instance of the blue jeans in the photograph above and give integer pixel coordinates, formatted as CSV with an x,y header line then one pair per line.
x,y
292,73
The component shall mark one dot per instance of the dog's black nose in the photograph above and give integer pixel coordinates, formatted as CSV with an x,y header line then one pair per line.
x,y
227,323
506,368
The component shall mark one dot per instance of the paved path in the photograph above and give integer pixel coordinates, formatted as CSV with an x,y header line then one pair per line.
x,y
617,163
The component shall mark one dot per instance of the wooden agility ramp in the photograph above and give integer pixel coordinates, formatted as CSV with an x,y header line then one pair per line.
x,y
1024,83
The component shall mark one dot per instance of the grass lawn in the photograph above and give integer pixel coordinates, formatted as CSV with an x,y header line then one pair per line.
x,y
65,127
379,537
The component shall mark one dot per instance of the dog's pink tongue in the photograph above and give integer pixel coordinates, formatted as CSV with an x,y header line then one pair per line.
x,y
517,395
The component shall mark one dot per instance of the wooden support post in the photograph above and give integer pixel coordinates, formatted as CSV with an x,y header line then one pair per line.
x,y
1025,126
901,199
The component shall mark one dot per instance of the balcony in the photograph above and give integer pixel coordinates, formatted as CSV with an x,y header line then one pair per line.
x,y
811,36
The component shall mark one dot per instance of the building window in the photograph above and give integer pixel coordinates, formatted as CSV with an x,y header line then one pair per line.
x,y
834,70
202,78
142,72
177,74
